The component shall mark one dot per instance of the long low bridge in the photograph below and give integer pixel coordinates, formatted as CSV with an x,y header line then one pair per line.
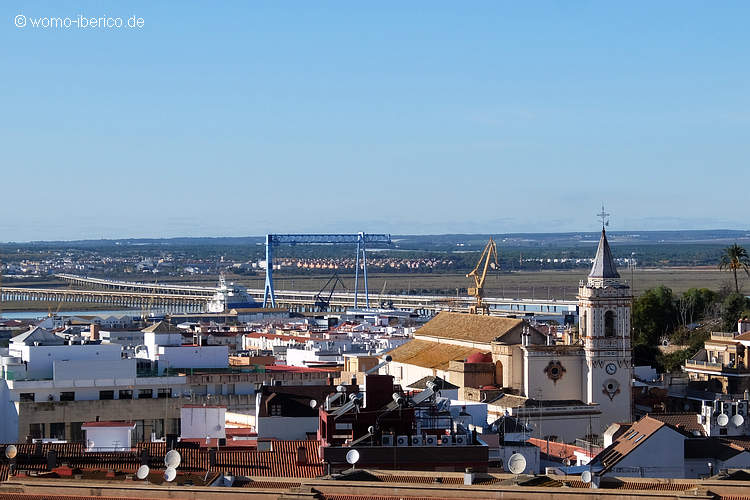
x,y
194,298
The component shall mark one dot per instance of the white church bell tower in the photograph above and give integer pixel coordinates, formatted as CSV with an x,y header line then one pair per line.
x,y
604,302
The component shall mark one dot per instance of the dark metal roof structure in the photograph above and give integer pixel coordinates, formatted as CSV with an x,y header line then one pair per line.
x,y
604,265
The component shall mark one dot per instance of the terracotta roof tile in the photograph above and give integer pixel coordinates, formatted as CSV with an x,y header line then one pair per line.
x,y
684,421
469,327
280,462
430,354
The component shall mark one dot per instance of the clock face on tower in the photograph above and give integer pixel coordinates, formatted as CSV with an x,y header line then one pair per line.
x,y
611,368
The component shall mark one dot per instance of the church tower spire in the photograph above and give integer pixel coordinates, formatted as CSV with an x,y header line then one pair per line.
x,y
604,267
604,324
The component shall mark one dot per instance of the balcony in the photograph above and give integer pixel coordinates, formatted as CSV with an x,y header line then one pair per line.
x,y
719,368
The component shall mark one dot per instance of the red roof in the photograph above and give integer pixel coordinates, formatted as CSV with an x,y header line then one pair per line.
x,y
558,450
280,461
109,423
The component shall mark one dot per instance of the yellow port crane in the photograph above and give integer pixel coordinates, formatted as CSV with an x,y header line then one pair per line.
x,y
477,291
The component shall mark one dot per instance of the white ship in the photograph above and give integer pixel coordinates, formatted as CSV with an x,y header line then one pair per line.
x,y
228,297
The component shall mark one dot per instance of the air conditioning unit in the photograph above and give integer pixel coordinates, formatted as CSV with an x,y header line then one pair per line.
x,y
446,441
416,440
430,440
742,408
461,440
387,439
402,441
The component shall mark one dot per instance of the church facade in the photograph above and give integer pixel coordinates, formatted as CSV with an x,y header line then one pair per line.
x,y
575,387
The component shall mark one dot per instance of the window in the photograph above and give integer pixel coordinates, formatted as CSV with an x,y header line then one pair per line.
x,y
106,394
68,396
76,433
276,410
157,427
583,324
164,393
27,397
609,324
57,430
145,393
125,394
36,431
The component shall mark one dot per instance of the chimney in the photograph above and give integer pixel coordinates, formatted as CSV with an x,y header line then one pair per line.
x,y
94,332
468,476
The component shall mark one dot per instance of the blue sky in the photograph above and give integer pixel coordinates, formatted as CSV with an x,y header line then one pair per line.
x,y
240,118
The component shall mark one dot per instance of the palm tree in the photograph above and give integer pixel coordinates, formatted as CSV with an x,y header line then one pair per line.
x,y
735,258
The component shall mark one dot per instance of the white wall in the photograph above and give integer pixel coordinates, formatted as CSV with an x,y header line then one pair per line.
x,y
203,421
538,385
72,370
301,357
109,438
661,455
40,358
286,427
8,415
193,357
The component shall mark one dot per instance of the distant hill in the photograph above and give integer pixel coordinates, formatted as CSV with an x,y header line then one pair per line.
x,y
448,241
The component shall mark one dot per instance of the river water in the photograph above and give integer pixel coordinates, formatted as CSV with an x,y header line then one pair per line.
x,y
43,314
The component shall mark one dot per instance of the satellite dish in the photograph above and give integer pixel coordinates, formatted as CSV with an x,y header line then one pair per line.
x,y
352,457
170,474
143,471
738,420
313,404
341,388
517,463
11,451
371,429
172,459
586,476
89,444
722,419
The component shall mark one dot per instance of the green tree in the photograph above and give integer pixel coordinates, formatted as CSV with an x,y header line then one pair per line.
x,y
735,258
733,308
696,304
653,315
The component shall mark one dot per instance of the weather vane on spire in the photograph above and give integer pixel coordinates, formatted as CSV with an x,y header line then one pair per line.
x,y
604,216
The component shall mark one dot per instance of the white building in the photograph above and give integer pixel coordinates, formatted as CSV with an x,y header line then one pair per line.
x,y
108,436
